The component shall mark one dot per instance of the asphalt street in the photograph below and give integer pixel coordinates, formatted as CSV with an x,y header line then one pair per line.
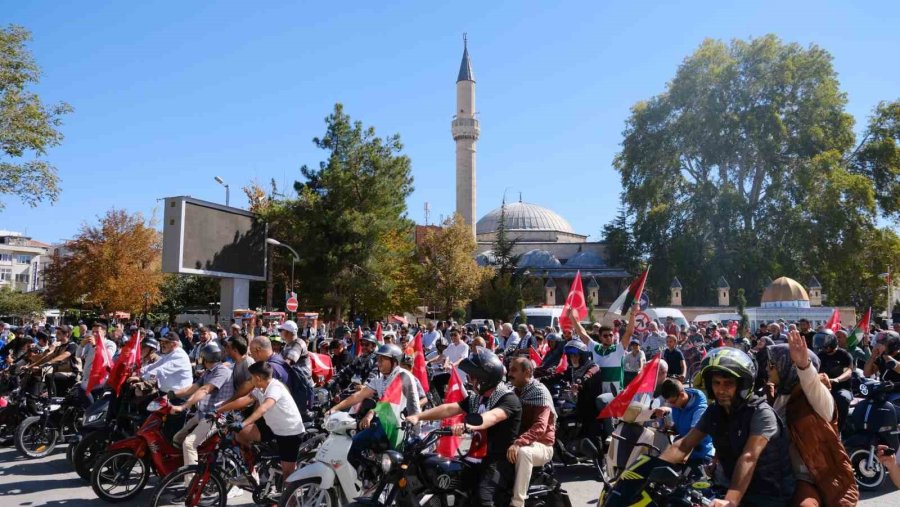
x,y
50,481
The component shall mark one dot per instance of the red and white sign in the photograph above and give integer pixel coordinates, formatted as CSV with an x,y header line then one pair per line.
x,y
291,304
641,322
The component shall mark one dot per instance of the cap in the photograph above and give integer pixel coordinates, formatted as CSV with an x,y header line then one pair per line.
x,y
289,325
170,337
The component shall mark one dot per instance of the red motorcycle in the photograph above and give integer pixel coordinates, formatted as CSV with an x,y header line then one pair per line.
x,y
122,472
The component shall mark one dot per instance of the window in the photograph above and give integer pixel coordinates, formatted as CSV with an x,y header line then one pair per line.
x,y
5,274
22,278
23,259
5,257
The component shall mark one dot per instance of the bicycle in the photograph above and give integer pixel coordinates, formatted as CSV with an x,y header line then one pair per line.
x,y
207,484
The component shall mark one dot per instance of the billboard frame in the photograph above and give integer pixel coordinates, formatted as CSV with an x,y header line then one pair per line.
x,y
184,199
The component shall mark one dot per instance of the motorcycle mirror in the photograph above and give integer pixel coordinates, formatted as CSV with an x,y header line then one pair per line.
x,y
474,420
588,448
664,475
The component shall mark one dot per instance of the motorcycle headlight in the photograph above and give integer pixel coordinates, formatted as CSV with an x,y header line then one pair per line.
x,y
93,417
864,390
386,463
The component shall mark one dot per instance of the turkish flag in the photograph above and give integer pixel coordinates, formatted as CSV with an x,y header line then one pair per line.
x,y
321,366
644,383
576,302
535,356
834,323
419,369
456,392
100,366
128,362
379,334
563,364
358,345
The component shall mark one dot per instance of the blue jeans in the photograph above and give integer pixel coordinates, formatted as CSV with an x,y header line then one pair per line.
x,y
371,438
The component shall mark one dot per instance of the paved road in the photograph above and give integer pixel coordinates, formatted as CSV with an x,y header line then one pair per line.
x,y
50,481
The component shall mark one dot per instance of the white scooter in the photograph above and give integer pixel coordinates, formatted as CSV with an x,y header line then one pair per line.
x,y
328,480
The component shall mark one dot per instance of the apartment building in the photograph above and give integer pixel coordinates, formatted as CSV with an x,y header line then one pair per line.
x,y
21,261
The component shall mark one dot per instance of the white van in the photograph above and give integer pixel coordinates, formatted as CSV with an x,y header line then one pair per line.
x,y
660,315
541,317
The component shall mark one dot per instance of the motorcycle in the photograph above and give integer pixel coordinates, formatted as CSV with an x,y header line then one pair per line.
x,y
412,476
122,472
58,419
22,402
872,422
328,480
627,442
651,482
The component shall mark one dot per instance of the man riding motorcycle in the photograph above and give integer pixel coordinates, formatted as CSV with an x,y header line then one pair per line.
x,y
750,440
837,364
501,413
361,367
373,435
537,432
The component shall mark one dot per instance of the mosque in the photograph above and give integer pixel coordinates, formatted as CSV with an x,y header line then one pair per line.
x,y
549,248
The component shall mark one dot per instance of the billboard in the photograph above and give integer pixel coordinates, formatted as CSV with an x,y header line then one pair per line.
x,y
204,238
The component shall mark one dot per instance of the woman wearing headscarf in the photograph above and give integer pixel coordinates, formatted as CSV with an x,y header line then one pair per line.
x,y
802,398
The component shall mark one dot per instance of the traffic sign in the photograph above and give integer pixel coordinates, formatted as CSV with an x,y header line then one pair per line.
x,y
291,304
645,301
641,322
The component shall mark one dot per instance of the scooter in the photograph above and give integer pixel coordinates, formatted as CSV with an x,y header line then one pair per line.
x,y
872,422
122,472
329,479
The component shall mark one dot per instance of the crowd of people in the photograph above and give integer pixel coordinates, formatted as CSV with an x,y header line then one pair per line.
x,y
769,407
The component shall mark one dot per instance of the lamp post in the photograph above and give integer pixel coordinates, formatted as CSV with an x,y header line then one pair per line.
x,y
275,242
220,181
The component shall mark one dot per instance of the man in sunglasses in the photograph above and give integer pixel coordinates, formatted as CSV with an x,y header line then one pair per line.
x,y
361,367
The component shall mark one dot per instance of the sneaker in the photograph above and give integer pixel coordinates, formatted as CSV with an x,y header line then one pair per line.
x,y
234,492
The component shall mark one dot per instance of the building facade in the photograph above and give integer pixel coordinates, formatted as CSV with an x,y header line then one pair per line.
x,y
21,262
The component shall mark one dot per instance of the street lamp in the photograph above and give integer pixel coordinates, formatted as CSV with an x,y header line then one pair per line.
x,y
275,242
220,181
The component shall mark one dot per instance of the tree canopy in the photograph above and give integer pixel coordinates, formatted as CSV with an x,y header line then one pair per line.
x,y
20,304
111,266
746,167
28,127
348,222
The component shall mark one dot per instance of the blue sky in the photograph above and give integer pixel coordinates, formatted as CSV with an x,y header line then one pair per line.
x,y
169,94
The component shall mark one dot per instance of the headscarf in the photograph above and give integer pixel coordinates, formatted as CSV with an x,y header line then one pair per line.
x,y
780,356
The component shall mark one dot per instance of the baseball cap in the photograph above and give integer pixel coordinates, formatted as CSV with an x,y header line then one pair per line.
x,y
288,325
170,337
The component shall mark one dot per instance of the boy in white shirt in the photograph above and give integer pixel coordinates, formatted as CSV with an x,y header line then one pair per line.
x,y
279,411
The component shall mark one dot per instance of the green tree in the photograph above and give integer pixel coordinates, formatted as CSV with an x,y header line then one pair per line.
x,y
878,156
182,292
28,127
450,277
20,304
744,167
618,235
349,221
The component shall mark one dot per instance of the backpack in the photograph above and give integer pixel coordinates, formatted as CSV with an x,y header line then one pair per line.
x,y
301,388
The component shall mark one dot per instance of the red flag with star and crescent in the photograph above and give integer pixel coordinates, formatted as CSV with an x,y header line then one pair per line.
x,y
576,302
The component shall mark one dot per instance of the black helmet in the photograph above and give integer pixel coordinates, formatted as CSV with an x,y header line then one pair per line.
x,y
729,361
485,367
151,342
211,352
824,339
391,351
369,337
440,341
890,340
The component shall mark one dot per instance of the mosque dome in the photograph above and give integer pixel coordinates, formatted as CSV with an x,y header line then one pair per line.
x,y
485,258
541,259
523,216
586,259
785,293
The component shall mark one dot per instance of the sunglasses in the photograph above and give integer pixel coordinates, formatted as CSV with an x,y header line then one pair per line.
x,y
607,335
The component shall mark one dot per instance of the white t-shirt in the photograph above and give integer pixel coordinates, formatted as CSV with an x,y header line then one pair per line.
x,y
454,353
284,417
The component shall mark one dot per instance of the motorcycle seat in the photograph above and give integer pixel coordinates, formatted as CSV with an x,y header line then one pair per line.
x,y
266,450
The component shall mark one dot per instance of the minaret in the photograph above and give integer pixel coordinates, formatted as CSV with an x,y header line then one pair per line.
x,y
465,132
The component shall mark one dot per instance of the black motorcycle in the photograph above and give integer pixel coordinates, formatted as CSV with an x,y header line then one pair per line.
x,y
413,477
652,482
23,401
872,422
57,420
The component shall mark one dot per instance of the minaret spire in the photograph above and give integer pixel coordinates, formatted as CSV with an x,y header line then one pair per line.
x,y
465,131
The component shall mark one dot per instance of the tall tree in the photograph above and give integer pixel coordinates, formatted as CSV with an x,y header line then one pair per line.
x,y
450,276
348,221
182,292
19,304
28,127
111,266
740,168
618,236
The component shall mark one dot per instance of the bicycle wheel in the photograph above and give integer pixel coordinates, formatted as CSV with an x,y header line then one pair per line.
x,y
180,487
33,441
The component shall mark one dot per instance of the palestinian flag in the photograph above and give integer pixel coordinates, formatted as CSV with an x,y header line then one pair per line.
x,y
862,327
388,410
623,303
